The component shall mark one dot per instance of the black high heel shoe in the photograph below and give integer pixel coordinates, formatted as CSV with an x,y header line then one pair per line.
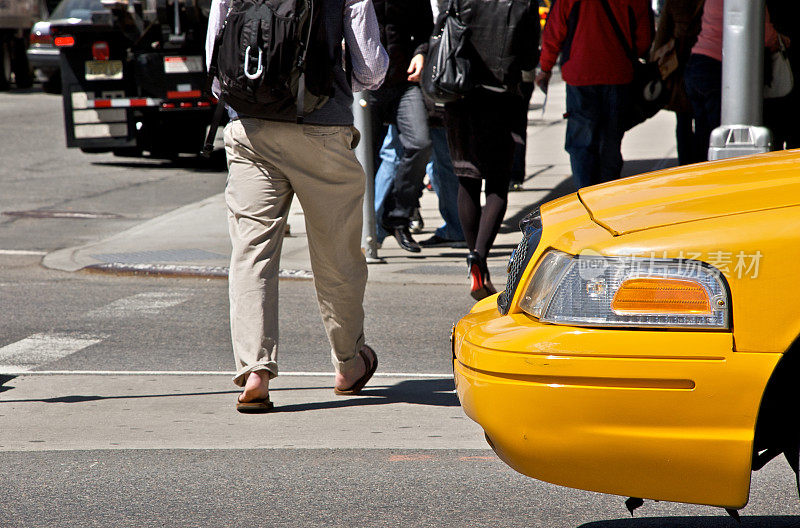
x,y
480,285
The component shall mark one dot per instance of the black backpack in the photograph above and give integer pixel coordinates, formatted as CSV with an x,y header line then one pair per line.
x,y
271,59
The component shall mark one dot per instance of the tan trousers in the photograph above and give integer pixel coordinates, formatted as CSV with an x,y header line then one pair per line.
x,y
268,163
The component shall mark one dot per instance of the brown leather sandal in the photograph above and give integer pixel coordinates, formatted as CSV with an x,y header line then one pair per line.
x,y
262,405
360,382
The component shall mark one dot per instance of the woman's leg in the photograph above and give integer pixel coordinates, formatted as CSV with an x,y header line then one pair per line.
x,y
469,209
494,210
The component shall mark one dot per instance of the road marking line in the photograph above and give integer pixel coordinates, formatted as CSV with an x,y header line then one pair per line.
x,y
22,252
149,303
8,370
38,349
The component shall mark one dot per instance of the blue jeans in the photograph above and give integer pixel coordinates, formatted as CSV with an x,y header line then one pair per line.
x,y
703,82
389,159
594,132
403,106
440,171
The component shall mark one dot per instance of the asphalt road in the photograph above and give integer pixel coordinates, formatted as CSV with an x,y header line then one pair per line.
x,y
145,448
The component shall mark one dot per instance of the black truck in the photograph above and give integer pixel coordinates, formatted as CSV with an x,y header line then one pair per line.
x,y
133,78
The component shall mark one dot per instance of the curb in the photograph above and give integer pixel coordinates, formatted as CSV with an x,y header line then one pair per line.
x,y
179,270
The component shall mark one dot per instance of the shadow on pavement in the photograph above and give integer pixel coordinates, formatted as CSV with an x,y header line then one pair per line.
x,y
438,392
3,380
194,163
77,398
24,91
722,521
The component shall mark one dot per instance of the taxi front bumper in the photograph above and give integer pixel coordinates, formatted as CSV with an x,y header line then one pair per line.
x,y
659,414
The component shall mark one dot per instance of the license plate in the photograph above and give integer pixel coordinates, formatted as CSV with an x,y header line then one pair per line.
x,y
107,70
192,64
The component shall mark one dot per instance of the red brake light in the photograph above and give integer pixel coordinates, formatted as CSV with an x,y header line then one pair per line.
x,y
64,41
101,51
41,38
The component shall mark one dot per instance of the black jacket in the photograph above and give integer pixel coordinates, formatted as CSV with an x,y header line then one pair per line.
x,y
406,26
504,36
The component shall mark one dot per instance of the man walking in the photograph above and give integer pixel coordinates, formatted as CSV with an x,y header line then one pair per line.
x,y
406,26
597,72
270,161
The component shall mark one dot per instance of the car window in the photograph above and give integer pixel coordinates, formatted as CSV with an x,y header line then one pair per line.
x,y
76,9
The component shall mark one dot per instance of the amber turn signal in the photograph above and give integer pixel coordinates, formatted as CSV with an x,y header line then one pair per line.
x,y
655,295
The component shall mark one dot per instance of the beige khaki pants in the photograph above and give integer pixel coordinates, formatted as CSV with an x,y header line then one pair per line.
x,y
268,163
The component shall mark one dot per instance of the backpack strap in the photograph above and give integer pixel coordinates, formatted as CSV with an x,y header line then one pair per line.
x,y
212,68
301,66
301,97
208,146
620,35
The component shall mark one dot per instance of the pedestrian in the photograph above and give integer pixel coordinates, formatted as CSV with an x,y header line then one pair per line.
x,y
443,180
678,27
703,76
270,161
405,26
480,127
780,114
597,72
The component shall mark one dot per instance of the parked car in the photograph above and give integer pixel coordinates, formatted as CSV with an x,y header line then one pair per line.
x,y
42,53
646,344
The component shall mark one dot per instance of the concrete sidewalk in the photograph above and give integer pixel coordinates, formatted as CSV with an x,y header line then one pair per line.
x,y
141,411
193,240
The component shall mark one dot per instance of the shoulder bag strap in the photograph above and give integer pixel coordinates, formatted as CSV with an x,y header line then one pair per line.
x,y
620,35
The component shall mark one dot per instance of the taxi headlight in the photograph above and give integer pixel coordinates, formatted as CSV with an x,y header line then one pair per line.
x,y
593,290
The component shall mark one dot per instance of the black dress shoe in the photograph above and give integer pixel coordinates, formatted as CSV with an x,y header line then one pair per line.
x,y
437,241
405,240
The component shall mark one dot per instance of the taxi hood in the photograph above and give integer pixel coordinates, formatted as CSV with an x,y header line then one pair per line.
x,y
695,192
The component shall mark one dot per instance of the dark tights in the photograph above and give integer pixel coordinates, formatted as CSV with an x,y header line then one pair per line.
x,y
481,225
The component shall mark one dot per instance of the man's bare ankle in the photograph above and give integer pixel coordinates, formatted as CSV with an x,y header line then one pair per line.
x,y
256,386
342,382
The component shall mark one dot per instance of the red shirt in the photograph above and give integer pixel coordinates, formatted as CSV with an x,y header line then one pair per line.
x,y
596,56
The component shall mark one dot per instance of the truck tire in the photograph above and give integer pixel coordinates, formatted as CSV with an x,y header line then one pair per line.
x,y
5,65
23,76
52,84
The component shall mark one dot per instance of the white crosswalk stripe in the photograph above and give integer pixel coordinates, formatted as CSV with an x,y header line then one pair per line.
x,y
149,303
39,349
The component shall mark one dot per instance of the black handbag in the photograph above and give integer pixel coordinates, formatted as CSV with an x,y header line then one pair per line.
x,y
446,73
648,92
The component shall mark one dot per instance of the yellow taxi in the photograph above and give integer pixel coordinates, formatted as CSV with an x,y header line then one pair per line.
x,y
646,344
